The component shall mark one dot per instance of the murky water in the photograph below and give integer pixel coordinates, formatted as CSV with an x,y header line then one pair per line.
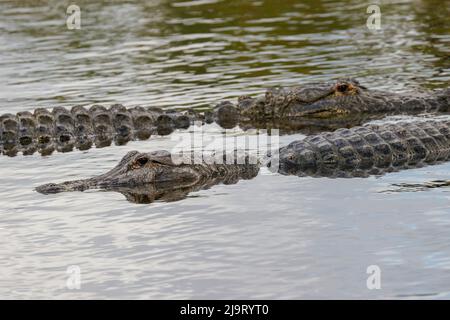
x,y
269,237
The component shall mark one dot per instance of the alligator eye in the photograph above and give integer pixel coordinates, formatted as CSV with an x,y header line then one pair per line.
x,y
342,88
142,161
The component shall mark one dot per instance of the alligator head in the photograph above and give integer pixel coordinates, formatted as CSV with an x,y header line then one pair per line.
x,y
145,177
338,99
325,100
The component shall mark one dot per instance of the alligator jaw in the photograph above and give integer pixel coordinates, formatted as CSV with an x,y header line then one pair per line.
x,y
109,178
105,182
319,110
135,169
76,185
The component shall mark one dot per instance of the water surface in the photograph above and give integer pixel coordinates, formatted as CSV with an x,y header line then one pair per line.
x,y
269,237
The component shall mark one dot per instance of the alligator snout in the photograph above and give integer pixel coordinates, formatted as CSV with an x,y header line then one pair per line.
x,y
50,188
77,185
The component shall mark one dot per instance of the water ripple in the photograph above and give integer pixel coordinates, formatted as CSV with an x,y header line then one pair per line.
x,y
271,237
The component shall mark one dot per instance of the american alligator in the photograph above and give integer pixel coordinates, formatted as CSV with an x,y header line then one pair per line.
x,y
145,177
344,103
357,152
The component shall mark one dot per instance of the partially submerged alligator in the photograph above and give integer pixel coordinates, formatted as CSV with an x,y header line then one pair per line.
x,y
343,103
356,152
145,177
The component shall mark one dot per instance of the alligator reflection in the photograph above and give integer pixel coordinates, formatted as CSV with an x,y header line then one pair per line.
x,y
418,187
168,192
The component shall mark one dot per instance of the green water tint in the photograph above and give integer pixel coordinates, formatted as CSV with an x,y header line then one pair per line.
x,y
176,54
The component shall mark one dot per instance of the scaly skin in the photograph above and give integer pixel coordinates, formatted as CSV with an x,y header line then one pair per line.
x,y
368,150
344,99
63,129
356,152
344,103
145,177
345,96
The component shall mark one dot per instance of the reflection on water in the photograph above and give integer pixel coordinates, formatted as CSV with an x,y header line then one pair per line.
x,y
269,237
169,192
164,53
417,187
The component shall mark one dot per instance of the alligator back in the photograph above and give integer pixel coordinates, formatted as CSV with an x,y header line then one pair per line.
x,y
367,150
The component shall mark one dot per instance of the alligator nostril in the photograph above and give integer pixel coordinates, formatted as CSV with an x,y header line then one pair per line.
x,y
47,188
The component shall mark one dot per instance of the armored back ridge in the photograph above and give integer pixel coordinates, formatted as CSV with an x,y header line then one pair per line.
x,y
368,150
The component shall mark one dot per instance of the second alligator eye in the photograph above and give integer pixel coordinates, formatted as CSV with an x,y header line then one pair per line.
x,y
142,161
342,88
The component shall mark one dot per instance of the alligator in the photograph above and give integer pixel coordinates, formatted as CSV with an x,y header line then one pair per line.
x,y
371,149
146,177
326,106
